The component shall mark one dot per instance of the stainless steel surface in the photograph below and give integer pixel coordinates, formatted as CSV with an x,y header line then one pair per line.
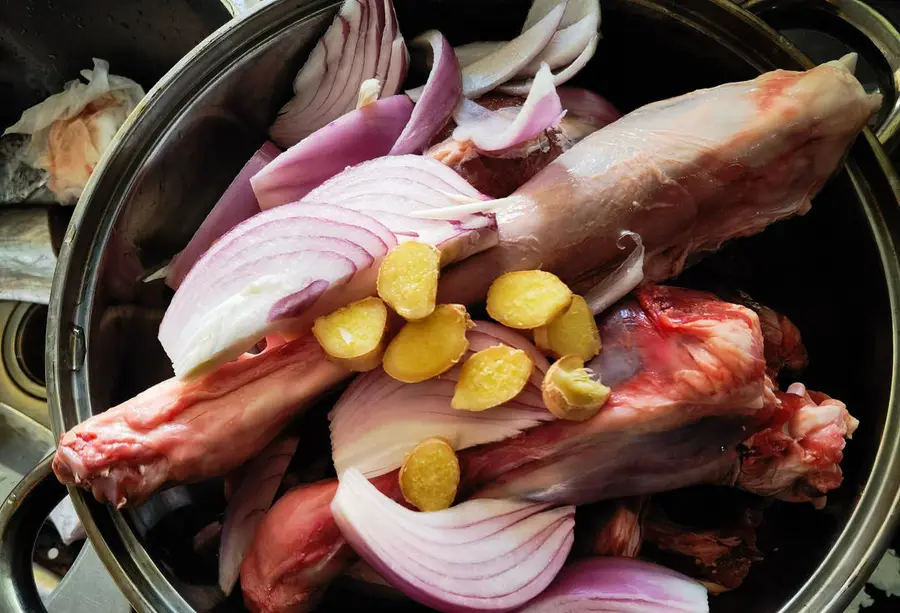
x,y
27,257
203,120
86,588
859,25
23,443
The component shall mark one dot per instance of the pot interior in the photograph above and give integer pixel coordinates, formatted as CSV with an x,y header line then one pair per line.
x,y
824,270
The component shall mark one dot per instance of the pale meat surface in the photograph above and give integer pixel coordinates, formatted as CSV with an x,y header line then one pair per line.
x,y
184,431
686,174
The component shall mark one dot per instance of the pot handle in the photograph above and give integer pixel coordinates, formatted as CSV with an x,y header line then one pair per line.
x,y
86,587
860,27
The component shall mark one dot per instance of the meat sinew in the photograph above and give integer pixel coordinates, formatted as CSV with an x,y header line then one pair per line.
x,y
688,380
686,174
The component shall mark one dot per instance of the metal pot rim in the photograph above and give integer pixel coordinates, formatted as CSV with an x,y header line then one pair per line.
x,y
838,577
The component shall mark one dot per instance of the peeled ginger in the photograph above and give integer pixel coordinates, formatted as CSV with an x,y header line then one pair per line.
x,y
527,299
428,347
408,279
572,333
354,335
491,377
569,391
429,475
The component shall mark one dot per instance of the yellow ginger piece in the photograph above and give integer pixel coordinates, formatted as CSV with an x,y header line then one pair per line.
x,y
428,347
572,333
570,392
491,377
429,475
527,299
354,335
408,279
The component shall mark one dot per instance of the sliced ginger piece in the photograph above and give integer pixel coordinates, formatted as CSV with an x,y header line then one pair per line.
x,y
572,333
570,392
408,279
527,299
428,347
429,475
491,377
354,335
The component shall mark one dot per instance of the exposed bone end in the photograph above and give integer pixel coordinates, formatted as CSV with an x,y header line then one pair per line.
x,y
848,62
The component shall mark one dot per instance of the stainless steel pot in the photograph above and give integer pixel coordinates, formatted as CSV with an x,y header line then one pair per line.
x,y
836,272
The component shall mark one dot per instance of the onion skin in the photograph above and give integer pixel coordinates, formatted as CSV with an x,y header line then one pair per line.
x,y
360,135
440,559
620,584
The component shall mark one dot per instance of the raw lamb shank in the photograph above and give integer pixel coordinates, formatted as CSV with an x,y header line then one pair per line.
x,y
689,392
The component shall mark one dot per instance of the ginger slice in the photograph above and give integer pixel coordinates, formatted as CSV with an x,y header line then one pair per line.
x,y
570,392
527,299
408,279
429,475
428,347
354,335
572,333
491,377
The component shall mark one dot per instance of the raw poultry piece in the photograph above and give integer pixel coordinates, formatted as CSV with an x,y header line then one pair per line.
x,y
688,380
185,431
685,174
769,146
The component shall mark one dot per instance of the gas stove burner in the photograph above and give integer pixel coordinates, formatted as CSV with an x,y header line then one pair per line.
x,y
23,348
22,380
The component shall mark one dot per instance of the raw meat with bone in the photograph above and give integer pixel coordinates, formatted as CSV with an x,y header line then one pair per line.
x,y
185,431
687,174
689,385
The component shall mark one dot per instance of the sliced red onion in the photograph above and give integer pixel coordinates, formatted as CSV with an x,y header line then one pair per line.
x,y
481,555
571,37
379,419
521,88
360,135
280,269
398,66
627,276
495,134
501,65
620,584
363,42
236,204
437,99
265,276
248,504
575,10
472,52
393,189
